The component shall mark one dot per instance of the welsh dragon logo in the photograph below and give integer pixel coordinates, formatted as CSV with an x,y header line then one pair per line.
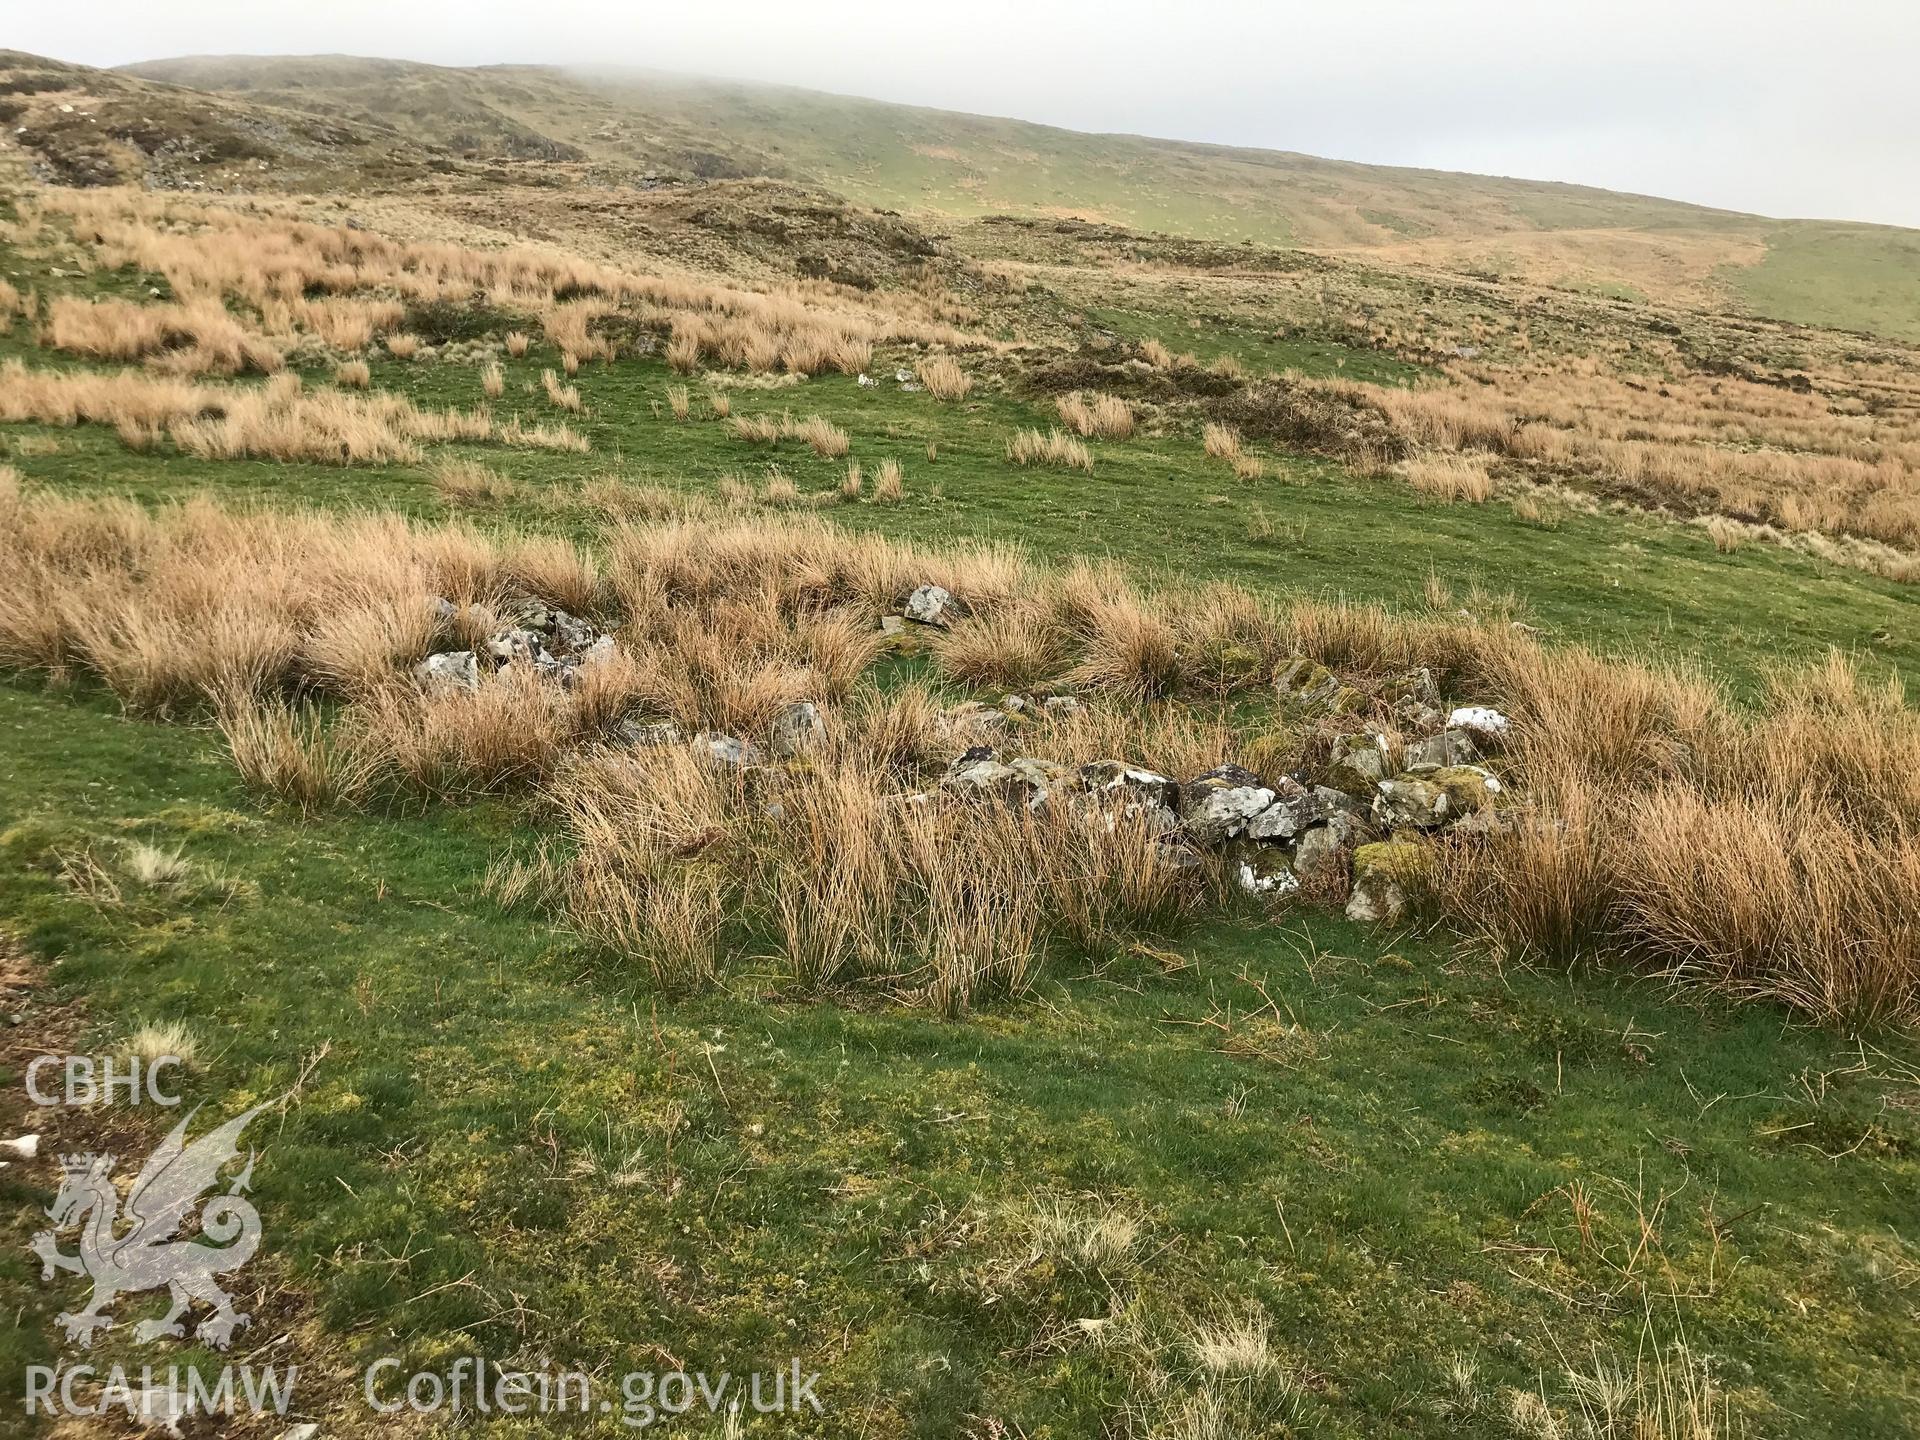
x,y
147,1255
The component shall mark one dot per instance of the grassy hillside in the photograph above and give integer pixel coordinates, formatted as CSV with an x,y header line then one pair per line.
x,y
1269,1173
909,158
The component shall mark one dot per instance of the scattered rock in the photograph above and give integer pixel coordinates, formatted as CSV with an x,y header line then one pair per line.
x,y
797,728
1409,800
642,734
1294,809
1260,869
600,651
23,1148
1216,807
728,752
451,670
1486,725
306,1430
1385,876
932,605
443,610
1359,764
1062,707
1450,747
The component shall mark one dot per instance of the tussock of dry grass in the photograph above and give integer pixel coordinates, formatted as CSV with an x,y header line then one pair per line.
x,y
280,420
342,284
199,338
1055,448
1107,416
1221,442
889,483
352,375
1795,459
1448,478
565,397
825,438
821,435
1771,855
943,379
469,484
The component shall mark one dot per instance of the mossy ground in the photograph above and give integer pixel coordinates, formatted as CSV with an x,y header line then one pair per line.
x,y
514,1147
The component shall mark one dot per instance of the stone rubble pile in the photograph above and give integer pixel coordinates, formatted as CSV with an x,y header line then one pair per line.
x,y
1348,823
549,641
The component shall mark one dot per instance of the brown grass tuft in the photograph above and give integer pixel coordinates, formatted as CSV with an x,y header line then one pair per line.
x,y
943,379
1448,478
1055,448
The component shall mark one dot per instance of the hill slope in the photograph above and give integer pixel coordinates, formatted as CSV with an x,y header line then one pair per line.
x,y
909,158
75,125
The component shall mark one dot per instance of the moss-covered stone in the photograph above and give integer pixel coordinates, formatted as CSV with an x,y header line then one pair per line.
x,y
1387,876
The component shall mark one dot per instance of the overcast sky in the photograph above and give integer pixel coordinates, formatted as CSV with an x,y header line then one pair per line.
x,y
1781,108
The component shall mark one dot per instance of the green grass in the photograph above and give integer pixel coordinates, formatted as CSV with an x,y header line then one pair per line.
x,y
1619,583
846,1184
1258,350
514,1146
1852,277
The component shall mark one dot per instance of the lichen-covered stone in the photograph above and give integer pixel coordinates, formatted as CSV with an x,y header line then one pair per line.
x,y
1321,859
797,729
1410,800
1386,877
1258,869
506,647
973,722
1358,764
1306,682
1469,788
726,752
451,670
642,734
1216,806
1487,726
932,605
1450,747
1294,808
